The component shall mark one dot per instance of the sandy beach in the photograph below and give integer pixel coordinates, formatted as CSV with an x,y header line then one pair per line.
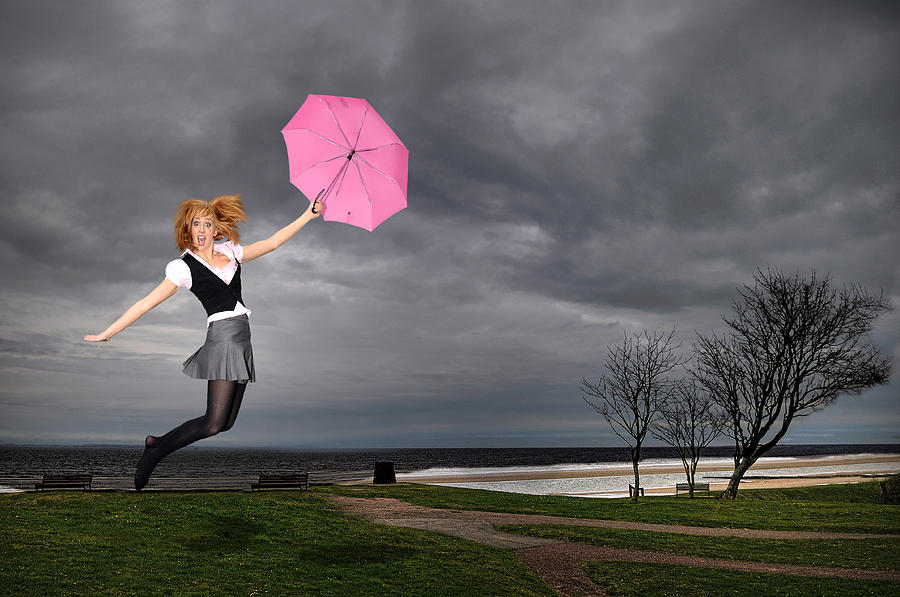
x,y
809,471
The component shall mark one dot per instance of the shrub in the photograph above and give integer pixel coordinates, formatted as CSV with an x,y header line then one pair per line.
x,y
890,490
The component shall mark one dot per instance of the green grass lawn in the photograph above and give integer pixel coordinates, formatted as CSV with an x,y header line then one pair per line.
x,y
270,543
850,508
629,578
276,543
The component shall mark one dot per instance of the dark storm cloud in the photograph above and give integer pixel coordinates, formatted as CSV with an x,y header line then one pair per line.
x,y
576,170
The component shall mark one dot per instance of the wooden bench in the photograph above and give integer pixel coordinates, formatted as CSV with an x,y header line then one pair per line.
x,y
73,481
282,481
679,487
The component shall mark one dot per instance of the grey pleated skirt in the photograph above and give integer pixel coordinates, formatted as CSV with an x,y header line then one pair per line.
x,y
226,354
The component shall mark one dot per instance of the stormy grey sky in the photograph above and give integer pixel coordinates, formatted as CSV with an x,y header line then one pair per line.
x,y
577,170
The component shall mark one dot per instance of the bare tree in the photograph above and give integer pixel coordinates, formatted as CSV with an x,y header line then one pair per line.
x,y
629,396
688,422
792,347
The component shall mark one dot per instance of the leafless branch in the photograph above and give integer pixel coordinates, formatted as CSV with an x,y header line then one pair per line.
x,y
688,422
792,346
634,387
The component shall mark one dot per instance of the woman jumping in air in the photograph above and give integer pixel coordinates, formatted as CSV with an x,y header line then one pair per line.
x,y
213,273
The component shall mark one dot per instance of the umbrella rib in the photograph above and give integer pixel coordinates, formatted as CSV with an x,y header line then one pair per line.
x,y
366,113
362,183
340,182
379,147
340,175
385,174
322,137
340,128
337,157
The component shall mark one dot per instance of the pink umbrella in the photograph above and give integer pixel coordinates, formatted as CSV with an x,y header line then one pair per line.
x,y
341,152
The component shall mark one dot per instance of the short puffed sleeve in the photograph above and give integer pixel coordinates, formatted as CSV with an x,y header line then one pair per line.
x,y
179,273
237,251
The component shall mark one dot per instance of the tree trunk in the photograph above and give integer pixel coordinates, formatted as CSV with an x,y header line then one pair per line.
x,y
637,479
693,475
741,467
688,476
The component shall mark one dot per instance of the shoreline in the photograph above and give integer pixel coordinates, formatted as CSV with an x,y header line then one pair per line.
x,y
660,478
618,470
600,480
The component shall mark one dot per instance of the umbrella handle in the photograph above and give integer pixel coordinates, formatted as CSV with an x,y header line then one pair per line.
x,y
316,199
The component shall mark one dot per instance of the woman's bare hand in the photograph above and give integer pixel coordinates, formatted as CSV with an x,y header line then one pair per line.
x,y
96,338
315,209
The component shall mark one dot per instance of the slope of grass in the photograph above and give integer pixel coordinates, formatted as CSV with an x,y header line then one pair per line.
x,y
211,543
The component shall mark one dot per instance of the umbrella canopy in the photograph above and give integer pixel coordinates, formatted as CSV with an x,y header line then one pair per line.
x,y
342,152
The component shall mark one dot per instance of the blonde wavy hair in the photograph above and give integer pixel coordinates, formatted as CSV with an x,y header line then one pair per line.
x,y
225,210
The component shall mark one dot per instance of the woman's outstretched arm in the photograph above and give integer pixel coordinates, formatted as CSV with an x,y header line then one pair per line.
x,y
166,289
258,249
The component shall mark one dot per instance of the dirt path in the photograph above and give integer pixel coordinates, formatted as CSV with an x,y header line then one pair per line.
x,y
393,509
560,563
561,566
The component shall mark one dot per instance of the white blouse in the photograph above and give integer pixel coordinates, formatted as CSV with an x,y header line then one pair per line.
x,y
180,274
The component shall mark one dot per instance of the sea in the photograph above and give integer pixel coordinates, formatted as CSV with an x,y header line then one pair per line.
x,y
24,463
201,460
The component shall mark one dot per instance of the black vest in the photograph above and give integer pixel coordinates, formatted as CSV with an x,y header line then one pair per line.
x,y
213,292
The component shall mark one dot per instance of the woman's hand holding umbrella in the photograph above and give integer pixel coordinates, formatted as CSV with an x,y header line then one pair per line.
x,y
315,209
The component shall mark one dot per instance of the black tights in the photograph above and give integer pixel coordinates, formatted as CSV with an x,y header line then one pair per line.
x,y
223,400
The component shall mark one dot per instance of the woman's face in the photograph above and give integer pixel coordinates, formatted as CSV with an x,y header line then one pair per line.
x,y
203,231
